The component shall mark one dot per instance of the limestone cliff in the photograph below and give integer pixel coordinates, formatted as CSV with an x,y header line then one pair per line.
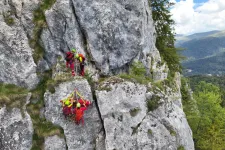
x,y
34,36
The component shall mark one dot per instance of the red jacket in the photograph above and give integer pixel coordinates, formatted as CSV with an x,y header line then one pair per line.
x,y
69,56
79,113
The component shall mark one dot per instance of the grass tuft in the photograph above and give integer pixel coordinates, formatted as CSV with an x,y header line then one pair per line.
x,y
181,148
137,74
153,103
12,96
42,127
39,21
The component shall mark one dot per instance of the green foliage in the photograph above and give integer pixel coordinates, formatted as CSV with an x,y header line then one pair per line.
x,y
42,127
137,74
189,105
185,89
217,80
153,103
173,133
12,95
40,23
180,148
9,20
104,88
208,125
165,33
137,68
60,78
149,131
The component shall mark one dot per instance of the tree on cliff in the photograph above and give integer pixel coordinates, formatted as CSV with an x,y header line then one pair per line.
x,y
208,125
165,33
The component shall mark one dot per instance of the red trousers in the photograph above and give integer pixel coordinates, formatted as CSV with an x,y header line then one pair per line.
x,y
82,69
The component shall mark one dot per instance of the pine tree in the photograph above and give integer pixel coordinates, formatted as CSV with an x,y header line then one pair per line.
x,y
165,33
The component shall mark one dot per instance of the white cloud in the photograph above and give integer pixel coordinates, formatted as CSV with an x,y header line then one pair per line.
x,y
191,18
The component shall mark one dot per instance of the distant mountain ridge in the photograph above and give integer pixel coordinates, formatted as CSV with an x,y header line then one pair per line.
x,y
211,65
204,51
185,38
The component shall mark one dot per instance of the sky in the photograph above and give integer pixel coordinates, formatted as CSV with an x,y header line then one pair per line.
x,y
193,16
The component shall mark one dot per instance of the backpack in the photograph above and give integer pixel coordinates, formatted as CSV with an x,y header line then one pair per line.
x,y
69,56
82,56
67,111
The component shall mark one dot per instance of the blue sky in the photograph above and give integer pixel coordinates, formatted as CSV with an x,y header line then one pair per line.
x,y
192,16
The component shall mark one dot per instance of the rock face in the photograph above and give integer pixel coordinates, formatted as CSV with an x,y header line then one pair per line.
x,y
110,33
16,129
128,125
55,143
116,31
63,31
16,61
77,137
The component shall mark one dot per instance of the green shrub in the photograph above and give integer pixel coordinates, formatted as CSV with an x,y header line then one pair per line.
x,y
9,20
136,74
180,148
153,103
137,68
172,132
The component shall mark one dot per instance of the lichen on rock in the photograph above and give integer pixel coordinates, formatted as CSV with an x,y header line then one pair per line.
x,y
16,128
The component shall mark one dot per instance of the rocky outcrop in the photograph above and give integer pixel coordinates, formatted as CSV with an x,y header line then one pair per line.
x,y
129,125
55,143
77,136
111,34
63,31
16,61
128,121
16,128
116,31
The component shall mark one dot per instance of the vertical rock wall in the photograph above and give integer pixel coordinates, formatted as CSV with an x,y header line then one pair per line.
x,y
16,61
128,124
110,33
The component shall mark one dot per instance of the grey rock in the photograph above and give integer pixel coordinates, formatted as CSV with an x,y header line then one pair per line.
x,y
42,66
16,61
54,143
128,125
116,31
77,137
62,33
16,129
110,34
